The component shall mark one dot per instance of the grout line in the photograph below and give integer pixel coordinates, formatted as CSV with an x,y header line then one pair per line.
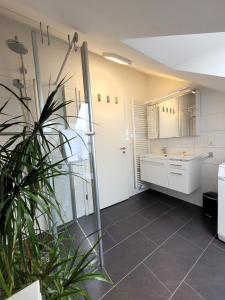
x,y
157,278
142,261
203,298
191,242
143,217
137,212
128,236
166,204
122,219
107,274
193,215
110,236
192,267
128,216
107,217
147,237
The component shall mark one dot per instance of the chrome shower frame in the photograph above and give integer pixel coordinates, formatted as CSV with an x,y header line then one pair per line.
x,y
94,179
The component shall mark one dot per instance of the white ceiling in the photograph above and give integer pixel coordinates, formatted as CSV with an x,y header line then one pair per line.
x,y
105,23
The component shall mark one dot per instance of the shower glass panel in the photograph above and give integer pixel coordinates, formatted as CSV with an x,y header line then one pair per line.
x,y
74,193
14,108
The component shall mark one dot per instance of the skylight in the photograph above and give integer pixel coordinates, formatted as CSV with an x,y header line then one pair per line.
x,y
197,53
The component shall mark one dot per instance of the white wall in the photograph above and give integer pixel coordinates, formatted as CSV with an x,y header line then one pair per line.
x,y
108,78
159,86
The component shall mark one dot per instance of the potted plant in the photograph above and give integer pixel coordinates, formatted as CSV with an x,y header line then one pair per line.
x,y
27,253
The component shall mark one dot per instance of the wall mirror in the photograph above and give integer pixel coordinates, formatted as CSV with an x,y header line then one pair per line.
x,y
174,116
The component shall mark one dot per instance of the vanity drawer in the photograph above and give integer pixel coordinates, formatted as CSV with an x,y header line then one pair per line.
x,y
177,164
177,180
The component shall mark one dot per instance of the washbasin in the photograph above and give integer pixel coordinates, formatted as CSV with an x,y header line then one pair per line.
x,y
182,157
155,156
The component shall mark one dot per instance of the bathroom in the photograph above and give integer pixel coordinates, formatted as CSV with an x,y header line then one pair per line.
x,y
139,187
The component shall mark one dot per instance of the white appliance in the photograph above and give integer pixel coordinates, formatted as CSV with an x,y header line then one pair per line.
x,y
221,202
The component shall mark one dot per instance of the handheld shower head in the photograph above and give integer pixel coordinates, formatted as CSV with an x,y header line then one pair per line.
x,y
18,84
16,46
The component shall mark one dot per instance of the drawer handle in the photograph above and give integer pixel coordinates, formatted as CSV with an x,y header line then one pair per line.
x,y
176,165
175,173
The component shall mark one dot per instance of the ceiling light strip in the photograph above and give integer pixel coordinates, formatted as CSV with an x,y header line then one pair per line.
x,y
116,58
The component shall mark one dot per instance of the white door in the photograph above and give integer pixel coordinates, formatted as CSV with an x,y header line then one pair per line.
x,y
112,167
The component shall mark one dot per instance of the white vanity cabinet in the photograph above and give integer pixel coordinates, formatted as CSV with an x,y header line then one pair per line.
x,y
154,170
179,174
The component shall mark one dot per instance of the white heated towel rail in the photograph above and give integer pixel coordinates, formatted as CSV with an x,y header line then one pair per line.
x,y
140,139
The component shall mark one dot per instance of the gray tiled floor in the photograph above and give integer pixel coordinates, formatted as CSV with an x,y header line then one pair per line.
x,y
160,248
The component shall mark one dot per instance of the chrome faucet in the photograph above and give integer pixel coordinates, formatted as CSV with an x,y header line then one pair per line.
x,y
164,151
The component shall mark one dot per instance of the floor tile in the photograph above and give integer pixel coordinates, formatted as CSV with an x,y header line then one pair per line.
x,y
186,293
96,289
199,230
161,197
173,260
208,276
142,200
219,243
126,255
75,238
105,221
185,211
107,241
139,285
121,210
171,201
89,227
88,224
122,229
154,211
162,228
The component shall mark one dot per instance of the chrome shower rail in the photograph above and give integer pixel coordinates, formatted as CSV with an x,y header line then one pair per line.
x,y
71,46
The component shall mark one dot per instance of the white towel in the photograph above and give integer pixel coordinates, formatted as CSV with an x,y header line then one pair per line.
x,y
82,120
75,149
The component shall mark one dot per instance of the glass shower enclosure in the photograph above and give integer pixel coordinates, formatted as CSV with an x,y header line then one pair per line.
x,y
47,59
77,195
40,60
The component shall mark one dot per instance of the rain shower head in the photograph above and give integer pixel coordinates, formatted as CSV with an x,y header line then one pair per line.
x,y
16,46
